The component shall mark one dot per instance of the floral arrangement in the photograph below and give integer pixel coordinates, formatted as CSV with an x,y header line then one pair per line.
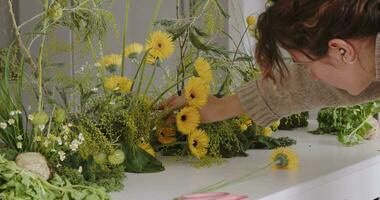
x,y
89,128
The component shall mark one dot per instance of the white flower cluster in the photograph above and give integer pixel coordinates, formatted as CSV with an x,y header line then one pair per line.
x,y
10,122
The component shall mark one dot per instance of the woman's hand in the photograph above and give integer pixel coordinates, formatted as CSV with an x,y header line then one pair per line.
x,y
216,109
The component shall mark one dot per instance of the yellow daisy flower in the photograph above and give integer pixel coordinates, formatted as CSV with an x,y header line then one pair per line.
x,y
147,148
196,92
203,69
166,135
188,119
284,158
132,50
198,142
160,44
110,61
267,131
118,83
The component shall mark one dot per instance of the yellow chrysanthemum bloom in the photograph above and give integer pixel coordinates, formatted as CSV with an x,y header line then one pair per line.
x,y
147,148
198,142
160,45
118,83
132,50
251,20
203,69
196,92
110,61
284,158
188,119
267,131
166,135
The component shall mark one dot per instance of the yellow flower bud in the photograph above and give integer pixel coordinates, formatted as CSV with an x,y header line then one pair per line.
x,y
251,20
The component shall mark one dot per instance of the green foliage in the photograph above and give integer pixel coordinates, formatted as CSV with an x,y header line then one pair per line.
x,y
294,121
224,139
255,140
8,56
92,174
350,124
126,120
17,183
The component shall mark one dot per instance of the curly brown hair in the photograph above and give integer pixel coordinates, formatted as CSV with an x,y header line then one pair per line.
x,y
308,26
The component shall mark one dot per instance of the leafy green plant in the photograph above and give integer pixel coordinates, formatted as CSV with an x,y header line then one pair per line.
x,y
350,124
17,183
294,121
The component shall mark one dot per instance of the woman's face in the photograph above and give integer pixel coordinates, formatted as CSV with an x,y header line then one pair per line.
x,y
333,70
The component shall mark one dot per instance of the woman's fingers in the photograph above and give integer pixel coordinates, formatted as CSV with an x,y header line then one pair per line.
x,y
163,104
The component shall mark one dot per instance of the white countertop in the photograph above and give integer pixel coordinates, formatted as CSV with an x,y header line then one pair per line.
x,y
322,161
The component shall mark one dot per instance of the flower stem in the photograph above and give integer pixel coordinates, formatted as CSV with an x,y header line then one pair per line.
x,y
221,184
154,16
219,93
41,50
126,14
150,80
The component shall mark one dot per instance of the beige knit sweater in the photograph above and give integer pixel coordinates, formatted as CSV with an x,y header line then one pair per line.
x,y
265,102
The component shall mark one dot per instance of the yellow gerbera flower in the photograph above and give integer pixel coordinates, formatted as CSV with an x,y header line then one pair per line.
x,y
267,131
160,44
188,119
132,50
196,92
203,69
284,158
147,148
166,135
110,61
198,142
118,83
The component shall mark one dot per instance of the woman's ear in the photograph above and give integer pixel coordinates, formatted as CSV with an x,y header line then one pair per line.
x,y
342,50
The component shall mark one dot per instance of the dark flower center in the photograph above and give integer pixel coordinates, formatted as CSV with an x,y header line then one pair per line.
x,y
195,143
183,117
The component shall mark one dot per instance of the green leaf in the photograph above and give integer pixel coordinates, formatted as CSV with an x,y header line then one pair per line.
x,y
196,42
139,161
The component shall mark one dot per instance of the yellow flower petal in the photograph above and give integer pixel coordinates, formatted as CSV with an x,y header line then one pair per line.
x,y
284,158
188,119
203,69
196,92
110,61
160,45
198,142
133,50
118,83
267,131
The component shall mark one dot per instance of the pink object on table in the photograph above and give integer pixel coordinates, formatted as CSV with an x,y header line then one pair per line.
x,y
204,196
233,197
